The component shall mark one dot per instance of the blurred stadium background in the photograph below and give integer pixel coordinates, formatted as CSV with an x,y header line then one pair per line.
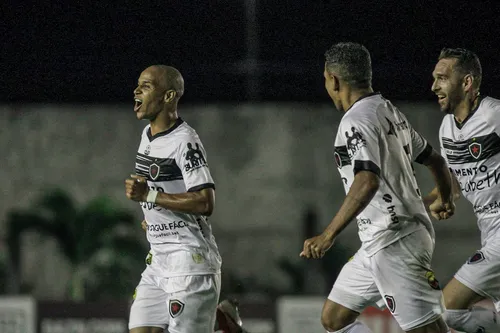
x,y
71,246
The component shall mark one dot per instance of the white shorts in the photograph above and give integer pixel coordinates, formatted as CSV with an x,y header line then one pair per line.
x,y
182,304
481,272
400,274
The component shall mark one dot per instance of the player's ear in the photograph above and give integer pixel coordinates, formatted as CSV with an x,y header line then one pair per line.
x,y
335,83
468,82
170,95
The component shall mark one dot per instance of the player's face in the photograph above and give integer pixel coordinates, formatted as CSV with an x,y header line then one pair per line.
x,y
330,88
447,85
149,95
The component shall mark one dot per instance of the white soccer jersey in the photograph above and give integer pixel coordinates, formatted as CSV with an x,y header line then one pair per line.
x,y
174,161
374,135
472,150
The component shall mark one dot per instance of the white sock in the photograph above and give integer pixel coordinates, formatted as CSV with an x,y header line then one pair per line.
x,y
476,320
356,327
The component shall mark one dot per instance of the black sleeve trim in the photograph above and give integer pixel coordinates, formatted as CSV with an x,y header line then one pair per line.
x,y
424,154
366,166
201,187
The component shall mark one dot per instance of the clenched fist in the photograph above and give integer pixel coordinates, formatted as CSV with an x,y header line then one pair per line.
x,y
316,247
136,188
442,210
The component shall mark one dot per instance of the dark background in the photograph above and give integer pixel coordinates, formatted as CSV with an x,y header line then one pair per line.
x,y
93,52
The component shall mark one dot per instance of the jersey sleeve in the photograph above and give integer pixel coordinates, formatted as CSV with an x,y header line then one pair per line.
x,y
362,137
421,149
441,146
494,115
192,160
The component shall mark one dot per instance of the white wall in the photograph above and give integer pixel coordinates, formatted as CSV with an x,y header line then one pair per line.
x,y
269,161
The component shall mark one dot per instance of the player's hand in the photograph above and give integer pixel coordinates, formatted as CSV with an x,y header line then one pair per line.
x,y
144,225
316,247
442,210
136,188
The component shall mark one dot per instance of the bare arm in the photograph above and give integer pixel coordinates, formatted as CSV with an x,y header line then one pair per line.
x,y
195,202
198,202
443,178
443,207
364,187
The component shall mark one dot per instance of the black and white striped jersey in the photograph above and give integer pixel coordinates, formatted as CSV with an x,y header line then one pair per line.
x,y
374,135
472,150
175,161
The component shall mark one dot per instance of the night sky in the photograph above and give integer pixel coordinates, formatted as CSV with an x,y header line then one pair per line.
x,y
93,52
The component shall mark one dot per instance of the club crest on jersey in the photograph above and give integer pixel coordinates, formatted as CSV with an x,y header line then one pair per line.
x,y
477,257
475,149
147,150
175,308
354,141
154,171
433,282
391,303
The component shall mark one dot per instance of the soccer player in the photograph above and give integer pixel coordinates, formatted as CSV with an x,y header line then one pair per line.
x,y
374,149
470,143
180,286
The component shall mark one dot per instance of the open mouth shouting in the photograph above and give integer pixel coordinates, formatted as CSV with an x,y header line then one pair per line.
x,y
138,104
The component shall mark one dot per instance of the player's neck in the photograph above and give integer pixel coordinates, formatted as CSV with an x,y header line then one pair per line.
x,y
465,107
351,96
163,122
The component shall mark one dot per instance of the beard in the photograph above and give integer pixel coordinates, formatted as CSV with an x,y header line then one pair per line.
x,y
452,101
446,109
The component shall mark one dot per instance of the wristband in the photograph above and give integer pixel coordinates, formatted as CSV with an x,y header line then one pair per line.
x,y
152,196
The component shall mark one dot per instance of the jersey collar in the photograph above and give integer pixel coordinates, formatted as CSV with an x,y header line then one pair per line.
x,y
151,137
363,97
461,125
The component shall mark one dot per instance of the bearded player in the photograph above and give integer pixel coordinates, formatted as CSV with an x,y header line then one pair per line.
x,y
470,142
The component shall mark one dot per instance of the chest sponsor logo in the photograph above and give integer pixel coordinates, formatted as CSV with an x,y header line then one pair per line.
x,y
167,226
487,179
490,208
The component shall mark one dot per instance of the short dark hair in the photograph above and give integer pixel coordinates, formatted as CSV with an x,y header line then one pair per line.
x,y
467,62
351,62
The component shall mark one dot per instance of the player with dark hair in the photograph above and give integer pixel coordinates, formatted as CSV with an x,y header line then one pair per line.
x,y
470,142
374,150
